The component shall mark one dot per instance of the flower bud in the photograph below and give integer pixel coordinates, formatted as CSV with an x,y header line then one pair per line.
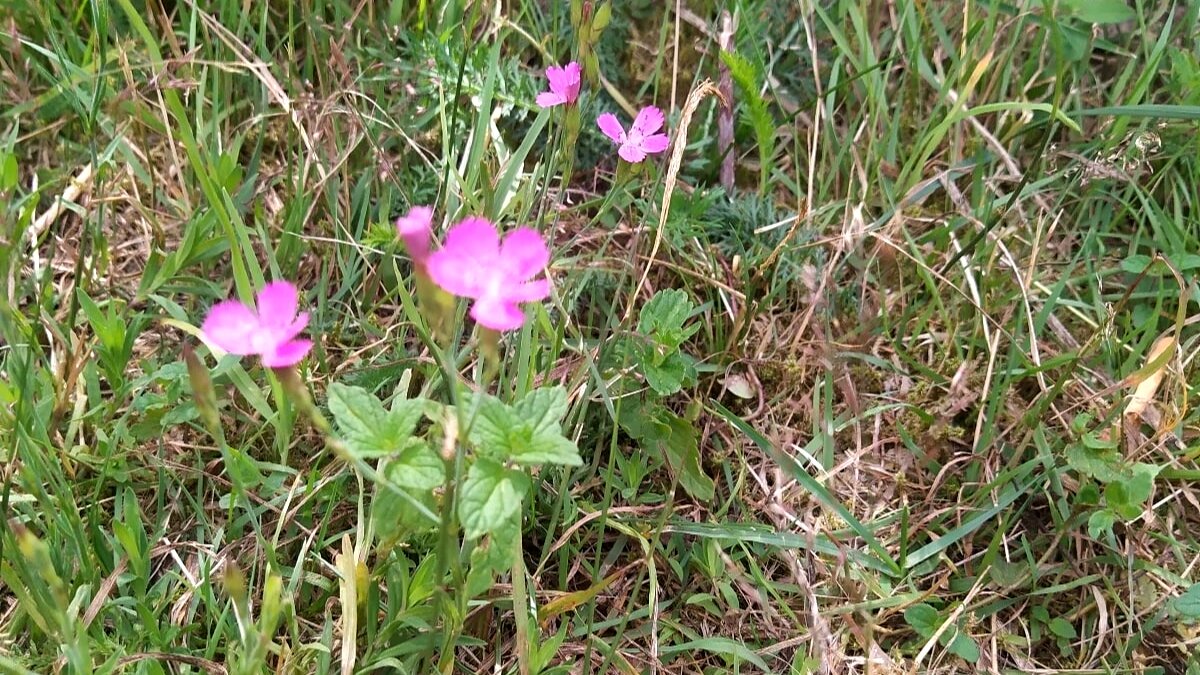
x,y
202,390
602,18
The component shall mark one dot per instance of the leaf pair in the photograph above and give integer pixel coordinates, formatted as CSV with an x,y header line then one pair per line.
x,y
527,433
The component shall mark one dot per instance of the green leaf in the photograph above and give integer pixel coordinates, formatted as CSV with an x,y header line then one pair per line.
x,y
397,515
1188,604
492,555
1103,465
367,428
8,171
745,76
417,466
1101,522
527,433
960,644
1006,573
674,438
1140,486
491,494
242,468
489,428
923,618
719,645
662,318
1063,628
1100,11
544,409
667,377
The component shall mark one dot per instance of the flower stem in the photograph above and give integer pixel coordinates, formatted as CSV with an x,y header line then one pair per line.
x,y
520,599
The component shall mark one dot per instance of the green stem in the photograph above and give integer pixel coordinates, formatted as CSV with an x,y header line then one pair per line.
x,y
520,602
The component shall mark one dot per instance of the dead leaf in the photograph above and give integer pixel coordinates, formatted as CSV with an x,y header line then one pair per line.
x,y
1149,376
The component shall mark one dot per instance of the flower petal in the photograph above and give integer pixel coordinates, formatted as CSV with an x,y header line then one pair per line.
x,y
558,79
293,329
631,153
497,314
524,253
529,291
611,127
414,229
655,144
549,99
573,73
287,354
231,326
648,121
467,262
277,303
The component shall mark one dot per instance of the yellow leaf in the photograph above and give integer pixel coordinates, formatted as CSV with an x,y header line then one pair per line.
x,y
568,602
1149,376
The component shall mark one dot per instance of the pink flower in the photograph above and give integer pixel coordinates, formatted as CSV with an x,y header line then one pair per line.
x,y
414,229
270,332
641,139
499,276
564,86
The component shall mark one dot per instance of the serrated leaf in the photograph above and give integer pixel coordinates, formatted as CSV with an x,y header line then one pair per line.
x,y
1062,628
489,427
923,618
1188,604
527,433
667,377
490,495
493,554
1100,11
367,428
662,318
417,466
683,453
546,449
243,469
543,408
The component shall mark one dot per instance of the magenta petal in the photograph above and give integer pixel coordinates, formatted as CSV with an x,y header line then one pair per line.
x,y
414,229
529,291
573,72
611,127
648,121
473,237
497,314
287,354
631,153
231,326
465,264
524,253
277,303
549,99
655,144
293,329
464,277
558,79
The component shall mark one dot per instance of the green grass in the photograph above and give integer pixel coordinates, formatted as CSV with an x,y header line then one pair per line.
x,y
880,428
